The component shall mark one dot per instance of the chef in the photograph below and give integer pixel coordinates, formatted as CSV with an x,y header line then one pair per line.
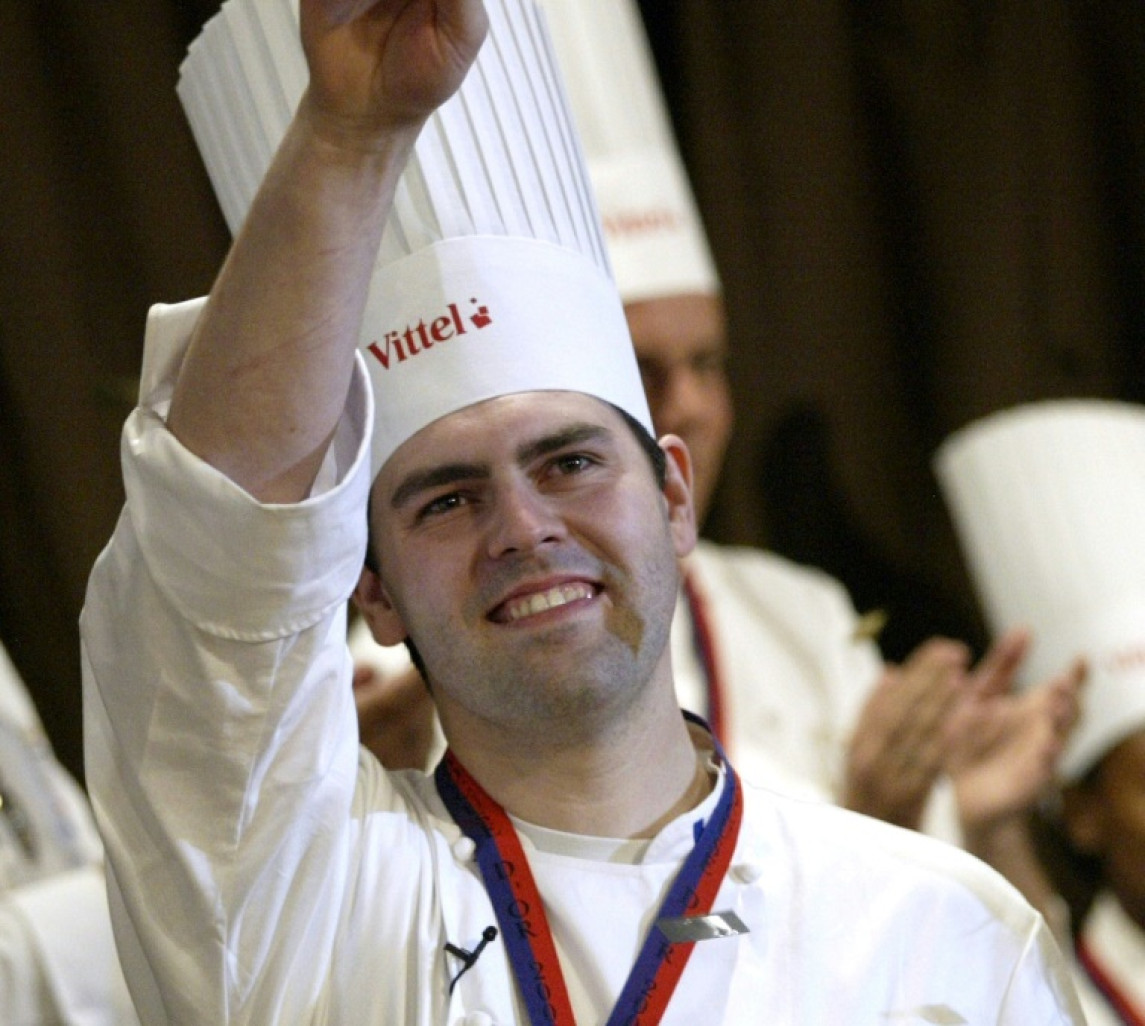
x,y
1048,498
584,852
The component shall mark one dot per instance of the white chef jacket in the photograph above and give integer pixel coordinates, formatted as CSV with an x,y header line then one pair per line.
x,y
264,869
1117,944
57,958
794,674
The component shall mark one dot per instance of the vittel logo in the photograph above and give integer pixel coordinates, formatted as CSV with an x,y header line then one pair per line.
x,y
398,346
1129,659
635,223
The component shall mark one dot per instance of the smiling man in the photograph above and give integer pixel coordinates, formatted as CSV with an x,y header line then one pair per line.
x,y
536,569
583,853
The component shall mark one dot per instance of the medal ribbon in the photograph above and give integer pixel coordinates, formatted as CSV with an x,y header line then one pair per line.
x,y
1118,1001
705,643
521,915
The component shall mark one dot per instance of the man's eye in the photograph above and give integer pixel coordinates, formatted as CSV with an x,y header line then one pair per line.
x,y
442,504
573,463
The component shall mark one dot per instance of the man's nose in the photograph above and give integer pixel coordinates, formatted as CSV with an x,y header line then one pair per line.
x,y
682,401
522,520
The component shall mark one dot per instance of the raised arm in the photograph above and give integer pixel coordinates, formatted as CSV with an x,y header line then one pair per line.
x,y
266,376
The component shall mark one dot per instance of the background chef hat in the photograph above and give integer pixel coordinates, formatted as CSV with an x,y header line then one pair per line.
x,y
492,276
655,237
1049,503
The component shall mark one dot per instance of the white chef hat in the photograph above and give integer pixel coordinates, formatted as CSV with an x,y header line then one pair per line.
x,y
1049,503
655,237
492,275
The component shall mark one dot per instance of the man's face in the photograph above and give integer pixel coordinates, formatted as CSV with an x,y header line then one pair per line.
x,y
526,548
681,346
1106,817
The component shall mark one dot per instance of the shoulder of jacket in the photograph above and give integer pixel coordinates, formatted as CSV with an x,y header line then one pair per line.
x,y
767,575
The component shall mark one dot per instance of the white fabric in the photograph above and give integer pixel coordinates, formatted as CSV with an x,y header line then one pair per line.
x,y
263,872
1047,501
655,238
794,674
1117,943
492,275
448,332
57,959
16,707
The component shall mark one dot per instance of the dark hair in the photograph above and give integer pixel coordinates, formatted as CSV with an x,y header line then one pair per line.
x,y
656,456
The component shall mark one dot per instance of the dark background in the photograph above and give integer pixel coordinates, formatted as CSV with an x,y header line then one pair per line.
x,y
922,213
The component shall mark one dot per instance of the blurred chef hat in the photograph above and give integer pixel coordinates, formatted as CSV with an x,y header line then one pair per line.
x,y
492,275
655,237
1049,503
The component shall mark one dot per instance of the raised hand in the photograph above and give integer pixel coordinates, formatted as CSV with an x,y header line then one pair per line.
x,y
386,64
1004,750
268,370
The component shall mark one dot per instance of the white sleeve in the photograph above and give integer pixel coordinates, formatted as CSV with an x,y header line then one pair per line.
x,y
57,957
220,740
1041,989
24,994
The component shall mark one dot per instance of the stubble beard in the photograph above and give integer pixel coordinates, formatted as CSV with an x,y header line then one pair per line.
x,y
556,689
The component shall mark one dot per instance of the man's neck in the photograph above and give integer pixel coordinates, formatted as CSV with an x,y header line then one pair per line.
x,y
628,783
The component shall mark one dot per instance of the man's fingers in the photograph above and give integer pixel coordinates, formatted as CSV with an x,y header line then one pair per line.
x,y
340,12
936,661
1066,697
905,717
930,684
364,675
994,673
938,653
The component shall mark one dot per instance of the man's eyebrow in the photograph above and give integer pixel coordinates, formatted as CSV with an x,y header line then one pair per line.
x,y
435,477
574,434
419,481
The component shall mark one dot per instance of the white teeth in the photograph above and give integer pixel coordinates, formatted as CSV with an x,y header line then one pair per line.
x,y
530,605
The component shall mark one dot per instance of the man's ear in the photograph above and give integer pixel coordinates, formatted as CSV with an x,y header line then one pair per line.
x,y
678,494
378,610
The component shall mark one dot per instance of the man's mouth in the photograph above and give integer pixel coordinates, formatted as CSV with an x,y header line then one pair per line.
x,y
522,606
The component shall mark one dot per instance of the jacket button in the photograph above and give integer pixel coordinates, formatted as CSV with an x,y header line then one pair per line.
x,y
747,872
463,849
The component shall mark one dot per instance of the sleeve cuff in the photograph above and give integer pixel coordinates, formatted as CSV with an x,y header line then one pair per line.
x,y
235,567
